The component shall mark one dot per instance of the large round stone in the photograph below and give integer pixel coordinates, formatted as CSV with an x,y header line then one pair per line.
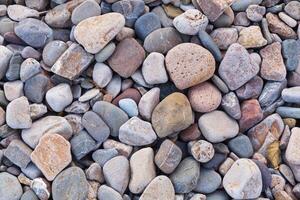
x,y
10,188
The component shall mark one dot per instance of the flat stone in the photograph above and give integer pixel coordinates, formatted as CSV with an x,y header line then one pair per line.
x,y
136,132
146,24
148,102
190,22
123,149
252,89
130,93
237,67
19,12
162,40
116,173
101,156
184,67
172,11
88,95
159,187
63,186
34,32
142,170
59,97
224,37
186,175
168,156
95,126
52,51
10,187
18,153
292,9
279,27
5,55
48,124
86,9
171,115
18,114
29,68
285,111
241,146
52,155
204,97
212,9
29,195
231,105
107,193
251,37
243,188
208,182
72,62
82,144
292,151
113,116
114,86
272,67
36,87
106,26
227,127
102,74
129,106
13,90
251,114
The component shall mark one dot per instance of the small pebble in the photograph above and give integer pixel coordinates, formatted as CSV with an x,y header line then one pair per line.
x,y
59,97
202,151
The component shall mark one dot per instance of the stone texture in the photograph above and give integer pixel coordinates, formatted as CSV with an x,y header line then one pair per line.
x,y
52,51
251,37
148,102
13,90
212,9
241,146
231,105
209,181
184,66
251,114
36,87
29,68
59,97
52,155
279,27
86,9
10,188
102,74
252,89
202,151
146,24
107,193
224,37
82,144
292,9
18,153
5,55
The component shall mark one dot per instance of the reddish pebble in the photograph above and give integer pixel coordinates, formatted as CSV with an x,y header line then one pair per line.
x,y
131,93
251,114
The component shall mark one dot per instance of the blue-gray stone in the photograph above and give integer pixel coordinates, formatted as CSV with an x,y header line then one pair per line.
x,y
242,5
271,92
209,181
216,161
13,71
10,188
241,146
29,195
265,174
291,112
101,156
82,144
35,88
146,24
291,52
209,44
218,195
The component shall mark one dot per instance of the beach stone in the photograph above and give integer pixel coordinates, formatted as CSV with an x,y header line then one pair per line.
x,y
172,11
148,102
136,132
168,156
252,89
129,106
130,93
224,37
227,127
2,116
243,188
35,88
271,92
190,22
29,195
291,52
291,153
18,114
13,90
5,55
142,170
162,40
106,26
171,115
29,27
116,173
251,114
212,9
52,155
241,19
40,187
13,70
237,67
186,176
291,95
230,104
72,62
184,67
29,68
159,187
86,9
107,193
94,173
48,124
122,61
204,97
82,144
105,53
255,12
63,187
52,51
59,97
208,182
37,110
125,33
287,19
113,116
243,4
101,156
208,42
226,19
95,126
153,69
10,187
251,37
102,74
241,146
146,24
130,9
164,19
191,133
279,27
123,149
272,67
114,86
202,151
20,12
292,9
88,95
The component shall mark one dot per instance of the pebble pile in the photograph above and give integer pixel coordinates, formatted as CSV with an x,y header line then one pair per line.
x,y
149,99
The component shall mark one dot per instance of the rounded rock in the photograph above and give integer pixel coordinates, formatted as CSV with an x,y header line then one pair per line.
x,y
202,151
146,24
52,51
10,188
86,9
59,97
102,74
209,181
129,106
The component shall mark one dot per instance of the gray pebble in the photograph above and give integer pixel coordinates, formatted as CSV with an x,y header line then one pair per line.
x,y
293,9
5,55
29,52
20,12
82,144
105,53
88,95
271,92
13,71
102,74
107,193
129,106
218,195
101,156
29,195
31,171
291,52
35,88
220,84
114,86
241,19
208,182
288,112
52,51
255,12
77,107
29,68
59,97
37,110
231,105
86,9
13,90
146,24
164,19
241,146
242,5
291,95
18,153
10,187
208,43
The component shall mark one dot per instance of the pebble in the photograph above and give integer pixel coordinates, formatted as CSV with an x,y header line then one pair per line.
x,y
29,68
19,12
168,156
291,94
146,24
142,170
164,19
86,9
95,126
207,42
116,173
292,9
271,92
59,97
291,52
5,55
190,22
230,103
102,74
251,114
36,87
159,187
191,133
279,27
226,19
123,149
224,37
272,67
208,182
107,193
114,86
220,84
26,28
241,19
148,102
172,11
130,9
29,195
106,26
18,153
241,188
212,9
237,67
252,89
162,40
287,19
63,186
101,156
202,151
52,51
131,93
291,154
241,146
125,33
136,132
243,4
129,106
94,173
251,37
105,53
13,71
171,115
255,12
18,114
82,144
184,67
88,95
122,61
287,173
10,187
204,97
13,90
